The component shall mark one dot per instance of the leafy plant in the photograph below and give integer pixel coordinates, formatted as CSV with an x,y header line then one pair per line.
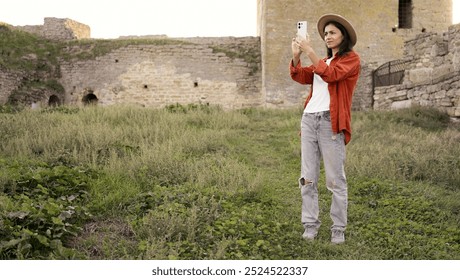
x,y
42,207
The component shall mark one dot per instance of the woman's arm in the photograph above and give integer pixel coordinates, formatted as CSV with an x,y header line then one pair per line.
x,y
296,52
302,75
342,67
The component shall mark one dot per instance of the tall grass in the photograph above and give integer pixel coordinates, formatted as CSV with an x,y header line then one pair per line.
x,y
416,144
197,182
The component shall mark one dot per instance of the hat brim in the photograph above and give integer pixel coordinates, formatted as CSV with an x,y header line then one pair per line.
x,y
323,20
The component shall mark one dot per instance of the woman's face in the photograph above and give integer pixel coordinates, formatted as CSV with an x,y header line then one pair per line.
x,y
332,36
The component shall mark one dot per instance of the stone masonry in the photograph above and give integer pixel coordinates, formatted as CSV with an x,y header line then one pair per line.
x,y
9,81
380,39
222,71
59,29
432,75
253,71
182,71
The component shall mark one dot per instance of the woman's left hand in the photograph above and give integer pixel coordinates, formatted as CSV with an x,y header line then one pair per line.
x,y
303,44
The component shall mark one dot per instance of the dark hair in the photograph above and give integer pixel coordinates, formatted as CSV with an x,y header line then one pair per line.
x,y
346,45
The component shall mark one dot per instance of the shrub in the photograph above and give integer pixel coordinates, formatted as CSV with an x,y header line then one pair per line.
x,y
42,207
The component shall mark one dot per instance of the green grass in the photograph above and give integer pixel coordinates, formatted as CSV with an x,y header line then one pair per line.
x,y
25,52
197,182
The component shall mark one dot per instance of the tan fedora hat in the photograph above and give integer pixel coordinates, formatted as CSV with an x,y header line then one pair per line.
x,y
324,19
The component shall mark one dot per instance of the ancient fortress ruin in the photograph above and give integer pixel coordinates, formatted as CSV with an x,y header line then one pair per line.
x,y
405,46
410,56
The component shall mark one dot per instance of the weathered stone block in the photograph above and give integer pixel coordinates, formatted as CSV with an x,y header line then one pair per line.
x,y
425,103
445,102
398,95
401,104
441,71
454,112
420,75
440,94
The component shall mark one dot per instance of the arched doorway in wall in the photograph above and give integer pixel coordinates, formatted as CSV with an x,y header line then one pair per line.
x,y
90,99
54,101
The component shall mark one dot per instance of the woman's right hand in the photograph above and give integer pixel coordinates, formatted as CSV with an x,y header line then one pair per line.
x,y
296,52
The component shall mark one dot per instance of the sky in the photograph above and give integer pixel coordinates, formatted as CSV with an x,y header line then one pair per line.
x,y
174,18
114,18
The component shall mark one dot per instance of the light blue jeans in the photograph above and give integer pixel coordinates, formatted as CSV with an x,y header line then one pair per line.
x,y
318,141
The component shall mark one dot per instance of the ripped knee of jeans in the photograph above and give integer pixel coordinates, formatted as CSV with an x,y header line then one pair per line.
x,y
304,182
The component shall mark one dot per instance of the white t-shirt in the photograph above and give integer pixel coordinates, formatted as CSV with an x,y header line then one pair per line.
x,y
320,98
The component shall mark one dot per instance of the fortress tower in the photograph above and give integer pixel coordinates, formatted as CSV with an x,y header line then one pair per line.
x,y
59,29
382,28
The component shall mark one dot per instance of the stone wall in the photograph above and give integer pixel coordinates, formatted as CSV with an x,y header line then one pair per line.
x,y
59,29
379,38
217,71
243,72
150,71
432,75
363,95
9,81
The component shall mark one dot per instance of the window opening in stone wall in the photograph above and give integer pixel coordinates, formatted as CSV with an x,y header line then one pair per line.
x,y
90,99
195,84
405,14
54,101
390,73
146,86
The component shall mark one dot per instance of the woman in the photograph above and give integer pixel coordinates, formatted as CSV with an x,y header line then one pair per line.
x,y
326,120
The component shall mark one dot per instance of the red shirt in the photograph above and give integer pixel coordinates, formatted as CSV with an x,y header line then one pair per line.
x,y
341,75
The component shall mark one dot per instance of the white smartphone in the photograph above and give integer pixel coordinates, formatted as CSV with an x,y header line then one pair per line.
x,y
302,29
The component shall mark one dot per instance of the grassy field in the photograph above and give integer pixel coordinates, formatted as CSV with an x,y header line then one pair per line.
x,y
197,182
